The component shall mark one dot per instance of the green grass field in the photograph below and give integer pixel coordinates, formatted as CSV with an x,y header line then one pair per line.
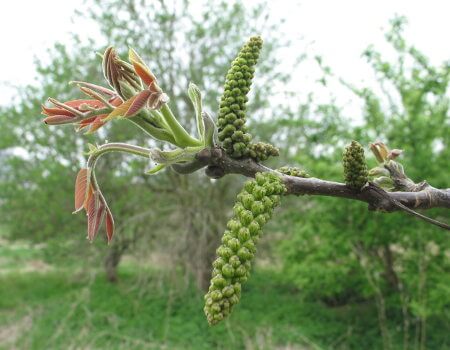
x,y
49,307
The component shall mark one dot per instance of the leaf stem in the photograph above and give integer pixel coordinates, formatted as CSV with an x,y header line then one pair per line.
x,y
153,131
180,135
117,147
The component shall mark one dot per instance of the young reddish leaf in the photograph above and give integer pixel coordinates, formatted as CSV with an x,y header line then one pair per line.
x,y
93,206
122,109
138,103
98,219
58,119
109,225
97,124
55,111
143,73
116,101
80,189
94,87
90,103
89,194
141,69
86,122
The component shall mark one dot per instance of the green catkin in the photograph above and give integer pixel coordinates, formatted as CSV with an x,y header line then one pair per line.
x,y
231,121
254,207
293,171
355,168
261,151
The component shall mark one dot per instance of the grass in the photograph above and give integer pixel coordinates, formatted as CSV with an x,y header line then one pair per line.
x,y
59,310
65,307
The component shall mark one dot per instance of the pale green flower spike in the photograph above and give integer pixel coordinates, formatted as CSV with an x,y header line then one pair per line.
x,y
355,168
231,122
293,171
254,207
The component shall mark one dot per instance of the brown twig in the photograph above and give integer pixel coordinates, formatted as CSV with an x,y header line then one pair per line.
x,y
219,164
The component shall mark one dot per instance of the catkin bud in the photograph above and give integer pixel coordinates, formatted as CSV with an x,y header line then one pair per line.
x,y
231,121
293,171
261,151
253,208
355,168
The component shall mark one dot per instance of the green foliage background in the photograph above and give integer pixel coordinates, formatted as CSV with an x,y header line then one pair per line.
x,y
329,274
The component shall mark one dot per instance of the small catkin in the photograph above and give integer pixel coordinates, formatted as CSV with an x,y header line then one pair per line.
x,y
293,171
254,207
355,168
231,121
261,151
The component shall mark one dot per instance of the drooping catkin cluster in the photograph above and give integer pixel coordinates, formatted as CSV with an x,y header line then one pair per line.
x,y
232,130
261,151
355,168
254,207
293,171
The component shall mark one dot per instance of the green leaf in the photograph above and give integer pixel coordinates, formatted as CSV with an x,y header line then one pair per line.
x,y
156,169
174,156
92,149
209,136
196,97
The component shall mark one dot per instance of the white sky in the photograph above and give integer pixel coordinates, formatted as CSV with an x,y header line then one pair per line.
x,y
338,30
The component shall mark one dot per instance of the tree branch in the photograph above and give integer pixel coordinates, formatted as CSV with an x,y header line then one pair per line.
x,y
219,164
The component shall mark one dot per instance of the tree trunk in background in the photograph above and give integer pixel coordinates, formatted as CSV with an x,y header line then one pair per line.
x,y
111,263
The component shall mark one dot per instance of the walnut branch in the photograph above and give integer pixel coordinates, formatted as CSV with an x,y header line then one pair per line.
x,y
219,164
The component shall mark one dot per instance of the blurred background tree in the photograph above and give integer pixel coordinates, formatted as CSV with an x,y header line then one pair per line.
x,y
340,252
183,42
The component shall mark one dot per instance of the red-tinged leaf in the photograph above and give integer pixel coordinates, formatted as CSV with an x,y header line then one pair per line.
x,y
99,218
56,111
86,122
138,103
97,88
96,124
105,62
147,77
93,206
113,71
140,68
116,101
122,109
80,189
89,194
109,225
58,120
91,103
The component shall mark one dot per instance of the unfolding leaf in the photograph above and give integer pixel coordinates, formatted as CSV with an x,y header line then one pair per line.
x,y
96,124
81,189
85,122
105,61
138,103
90,103
155,169
209,136
196,98
58,120
174,156
94,87
115,101
121,110
55,111
109,225
157,99
92,149
140,68
93,206
89,194
101,210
